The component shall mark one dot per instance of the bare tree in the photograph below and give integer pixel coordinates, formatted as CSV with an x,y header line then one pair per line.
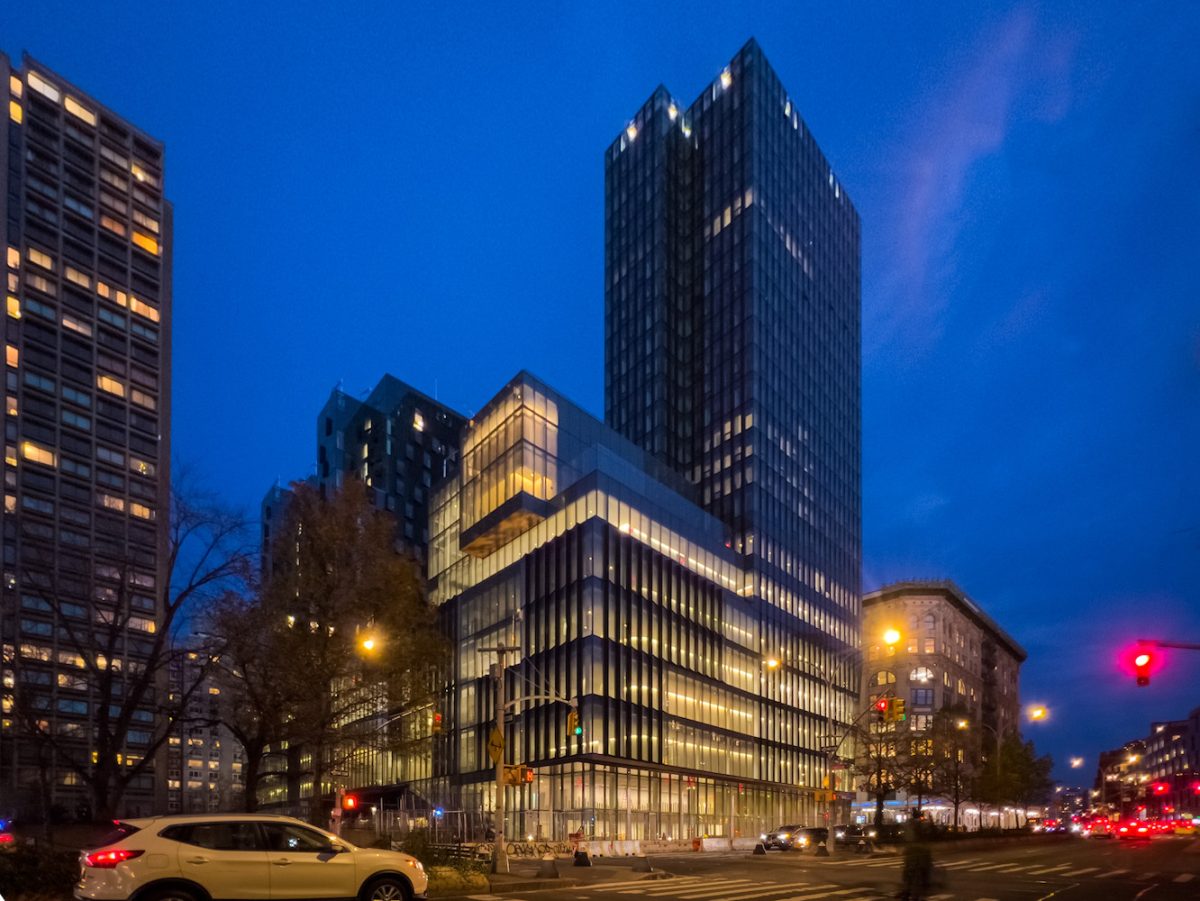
x,y
345,641
118,649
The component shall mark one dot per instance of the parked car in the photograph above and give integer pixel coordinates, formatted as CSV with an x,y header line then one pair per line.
x,y
782,838
198,857
1134,829
892,833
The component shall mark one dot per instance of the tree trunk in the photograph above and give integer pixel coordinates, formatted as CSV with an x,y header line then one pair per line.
x,y
879,796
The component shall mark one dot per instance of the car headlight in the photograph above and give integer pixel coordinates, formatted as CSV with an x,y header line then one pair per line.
x,y
415,864
785,835
839,835
763,837
804,839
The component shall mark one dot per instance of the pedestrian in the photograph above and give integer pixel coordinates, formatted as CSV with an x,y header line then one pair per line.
x,y
917,876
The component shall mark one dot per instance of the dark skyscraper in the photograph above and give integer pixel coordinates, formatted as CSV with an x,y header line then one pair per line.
x,y
732,339
87,446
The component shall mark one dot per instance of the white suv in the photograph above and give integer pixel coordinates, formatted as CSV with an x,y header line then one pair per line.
x,y
249,857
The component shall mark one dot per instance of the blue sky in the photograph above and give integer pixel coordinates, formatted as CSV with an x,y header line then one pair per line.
x,y
418,189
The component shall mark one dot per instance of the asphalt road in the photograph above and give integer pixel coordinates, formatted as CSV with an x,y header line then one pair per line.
x,y
1162,869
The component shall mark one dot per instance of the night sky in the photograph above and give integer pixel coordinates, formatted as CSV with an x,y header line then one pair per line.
x,y
418,189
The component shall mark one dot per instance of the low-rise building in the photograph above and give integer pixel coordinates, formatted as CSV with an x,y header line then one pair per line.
x,y
950,653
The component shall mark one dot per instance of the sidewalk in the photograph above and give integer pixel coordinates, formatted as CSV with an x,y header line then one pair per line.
x,y
522,876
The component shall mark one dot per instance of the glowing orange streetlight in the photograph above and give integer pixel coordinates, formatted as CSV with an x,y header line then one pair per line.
x,y
891,636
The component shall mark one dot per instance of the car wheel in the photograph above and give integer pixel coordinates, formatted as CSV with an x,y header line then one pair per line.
x,y
169,893
388,888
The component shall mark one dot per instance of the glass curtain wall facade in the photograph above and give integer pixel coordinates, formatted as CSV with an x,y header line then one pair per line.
x,y
562,538
732,347
87,427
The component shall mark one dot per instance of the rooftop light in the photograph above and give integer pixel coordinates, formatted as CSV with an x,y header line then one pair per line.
x,y
631,131
726,77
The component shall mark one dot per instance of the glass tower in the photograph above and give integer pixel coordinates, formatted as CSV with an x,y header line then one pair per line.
x,y
732,340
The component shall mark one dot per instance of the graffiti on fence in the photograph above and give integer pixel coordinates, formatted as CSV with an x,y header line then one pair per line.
x,y
526,849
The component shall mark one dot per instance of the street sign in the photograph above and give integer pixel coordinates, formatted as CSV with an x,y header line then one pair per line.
x,y
496,746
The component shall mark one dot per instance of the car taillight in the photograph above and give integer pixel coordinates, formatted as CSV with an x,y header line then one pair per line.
x,y
106,860
7,838
1124,829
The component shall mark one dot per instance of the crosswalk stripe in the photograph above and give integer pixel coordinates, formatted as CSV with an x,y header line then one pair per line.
x,y
1014,867
1081,871
675,880
1111,873
1146,877
666,889
955,864
986,866
822,891
697,891
1061,866
1184,877
882,863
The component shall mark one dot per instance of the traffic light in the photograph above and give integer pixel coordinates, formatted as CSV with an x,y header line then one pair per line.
x,y
898,713
1141,666
881,706
527,774
435,724
573,726
1160,788
349,802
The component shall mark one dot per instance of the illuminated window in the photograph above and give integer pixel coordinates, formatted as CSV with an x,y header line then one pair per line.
x,y
14,307
142,399
143,309
42,86
418,422
14,258
16,86
42,259
141,510
111,385
75,325
38,454
113,225
143,175
726,77
142,467
79,278
15,112
11,406
12,355
111,502
79,111
147,243
145,221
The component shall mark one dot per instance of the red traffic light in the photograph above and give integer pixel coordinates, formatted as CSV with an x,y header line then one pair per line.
x,y
1142,659
1160,788
881,705
349,802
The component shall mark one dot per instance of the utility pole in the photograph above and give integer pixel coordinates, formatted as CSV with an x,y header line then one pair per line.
x,y
496,749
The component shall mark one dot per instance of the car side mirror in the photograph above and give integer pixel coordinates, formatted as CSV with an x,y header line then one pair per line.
x,y
333,848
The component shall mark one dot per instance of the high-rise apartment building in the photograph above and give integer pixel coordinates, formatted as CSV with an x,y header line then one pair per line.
x,y
203,759
732,353
87,241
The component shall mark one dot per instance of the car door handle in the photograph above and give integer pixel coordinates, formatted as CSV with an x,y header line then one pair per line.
x,y
282,863
197,860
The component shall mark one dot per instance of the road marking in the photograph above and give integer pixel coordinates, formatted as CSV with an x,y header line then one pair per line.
x,y
986,866
1111,873
1184,877
648,883
1014,867
696,891
780,887
971,861
820,892
1081,871
663,888
1144,877
1061,866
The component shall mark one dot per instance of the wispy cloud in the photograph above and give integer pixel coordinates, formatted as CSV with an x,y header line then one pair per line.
x,y
962,123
